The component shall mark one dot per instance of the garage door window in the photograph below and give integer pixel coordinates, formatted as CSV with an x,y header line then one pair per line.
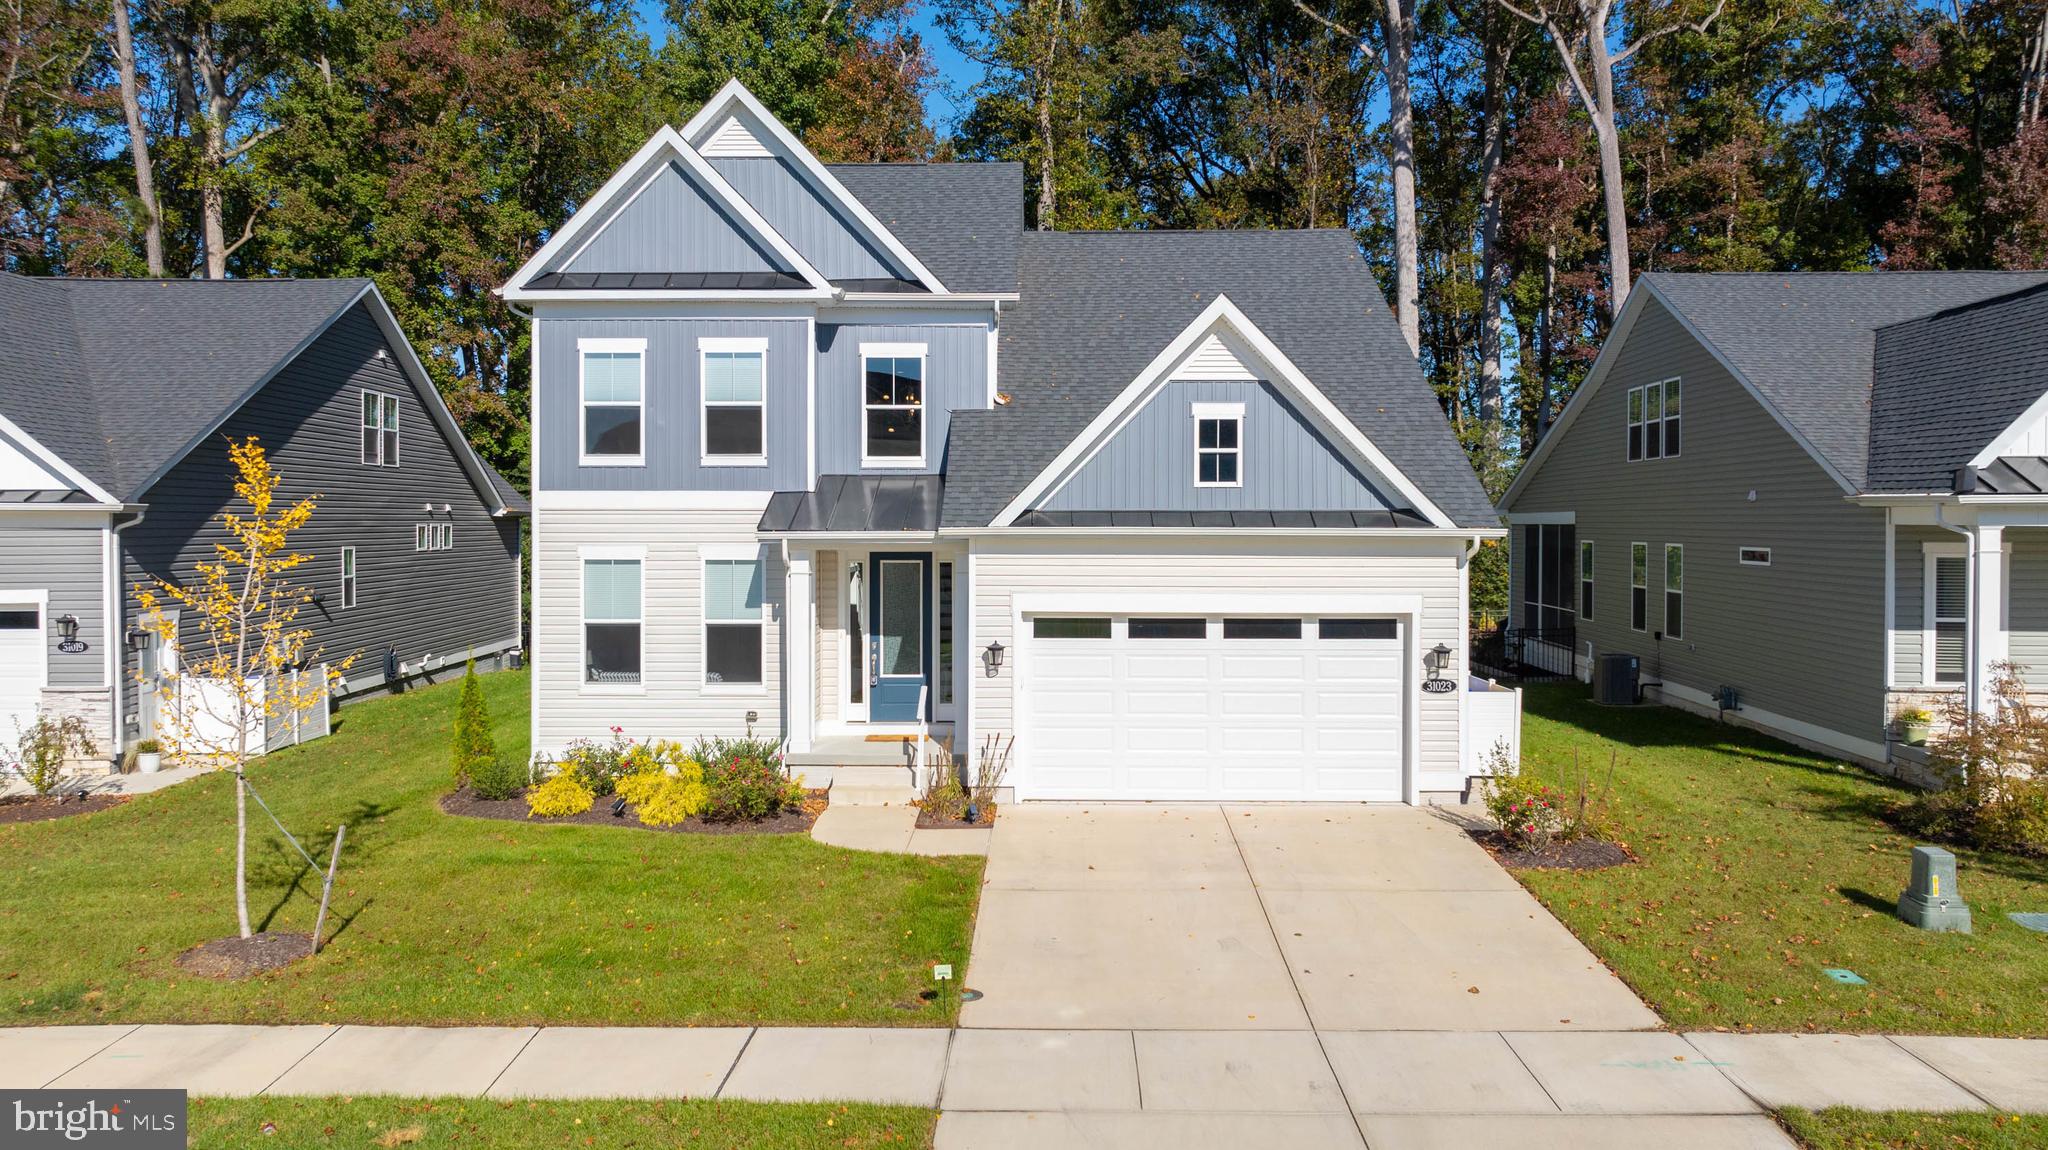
x,y
1262,628
1169,628
1355,629
1070,628
13,619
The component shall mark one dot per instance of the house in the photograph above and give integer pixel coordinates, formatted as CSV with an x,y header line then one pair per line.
x,y
117,402
1791,494
841,452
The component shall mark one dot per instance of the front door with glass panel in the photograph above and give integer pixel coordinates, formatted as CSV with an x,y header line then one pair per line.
x,y
899,640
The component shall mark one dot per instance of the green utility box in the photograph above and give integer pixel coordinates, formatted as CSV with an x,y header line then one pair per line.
x,y
1932,901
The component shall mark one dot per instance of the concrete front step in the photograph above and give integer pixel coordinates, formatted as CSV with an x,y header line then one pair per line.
x,y
873,786
844,795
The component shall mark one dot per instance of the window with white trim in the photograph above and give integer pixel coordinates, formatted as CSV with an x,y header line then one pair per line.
x,y
1639,586
945,626
613,638
380,429
892,405
1653,420
612,387
733,634
1753,556
1585,580
1674,590
433,537
1948,613
735,423
1219,444
348,576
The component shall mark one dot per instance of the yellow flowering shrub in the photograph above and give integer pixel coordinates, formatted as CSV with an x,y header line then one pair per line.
x,y
560,796
666,785
674,798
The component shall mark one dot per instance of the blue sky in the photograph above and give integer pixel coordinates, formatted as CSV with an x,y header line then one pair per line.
x,y
956,74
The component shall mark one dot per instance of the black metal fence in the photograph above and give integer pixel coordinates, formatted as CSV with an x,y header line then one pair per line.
x,y
1527,652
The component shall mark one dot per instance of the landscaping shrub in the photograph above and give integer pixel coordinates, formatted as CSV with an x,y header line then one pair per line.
x,y
943,796
600,765
39,754
497,778
1995,768
664,785
1534,816
744,779
564,794
473,746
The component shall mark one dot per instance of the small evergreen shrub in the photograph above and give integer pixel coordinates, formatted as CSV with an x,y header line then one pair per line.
x,y
497,778
561,796
474,749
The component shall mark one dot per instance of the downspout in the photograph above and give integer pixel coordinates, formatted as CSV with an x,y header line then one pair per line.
x,y
116,627
1971,686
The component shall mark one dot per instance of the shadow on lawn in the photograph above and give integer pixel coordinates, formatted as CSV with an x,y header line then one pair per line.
x,y
293,877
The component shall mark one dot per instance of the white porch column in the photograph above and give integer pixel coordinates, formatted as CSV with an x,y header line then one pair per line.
x,y
1988,644
799,637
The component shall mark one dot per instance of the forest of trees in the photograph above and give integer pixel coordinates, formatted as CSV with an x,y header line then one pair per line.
x,y
1506,165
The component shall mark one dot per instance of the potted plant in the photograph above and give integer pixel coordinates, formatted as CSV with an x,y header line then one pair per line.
x,y
149,756
1915,724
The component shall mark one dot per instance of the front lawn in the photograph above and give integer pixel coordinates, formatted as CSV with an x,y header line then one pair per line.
x,y
1863,1130
1761,866
444,920
310,1123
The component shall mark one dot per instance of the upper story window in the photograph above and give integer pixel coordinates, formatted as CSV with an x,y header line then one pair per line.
x,y
1653,420
735,411
433,537
1219,444
380,429
892,404
613,378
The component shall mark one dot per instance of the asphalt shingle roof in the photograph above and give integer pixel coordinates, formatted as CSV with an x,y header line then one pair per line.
x,y
960,220
1808,341
1948,383
1098,306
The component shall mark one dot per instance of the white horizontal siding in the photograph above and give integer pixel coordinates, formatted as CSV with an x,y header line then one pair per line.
x,y
1006,568
673,703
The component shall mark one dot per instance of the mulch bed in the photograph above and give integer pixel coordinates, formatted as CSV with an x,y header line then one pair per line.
x,y
37,808
938,821
1585,854
233,958
465,803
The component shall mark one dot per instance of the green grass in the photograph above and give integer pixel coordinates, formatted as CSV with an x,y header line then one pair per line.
x,y
1864,1130
444,920
427,1124
1762,865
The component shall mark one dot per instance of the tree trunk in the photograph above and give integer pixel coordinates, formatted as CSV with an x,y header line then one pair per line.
x,y
1492,398
242,850
1613,191
1047,189
1397,20
138,141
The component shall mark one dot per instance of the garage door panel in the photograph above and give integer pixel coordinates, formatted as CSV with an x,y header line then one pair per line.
x,y
1214,718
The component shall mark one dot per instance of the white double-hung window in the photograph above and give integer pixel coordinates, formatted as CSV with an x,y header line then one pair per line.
x,y
613,631
612,384
735,415
734,638
1219,444
1945,657
892,404
380,429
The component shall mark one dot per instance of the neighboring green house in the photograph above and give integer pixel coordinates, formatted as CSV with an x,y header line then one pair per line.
x,y
1778,489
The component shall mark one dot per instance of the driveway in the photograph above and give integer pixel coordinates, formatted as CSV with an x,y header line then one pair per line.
x,y
1271,918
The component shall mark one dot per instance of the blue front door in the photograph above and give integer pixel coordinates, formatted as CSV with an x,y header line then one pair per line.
x,y
899,640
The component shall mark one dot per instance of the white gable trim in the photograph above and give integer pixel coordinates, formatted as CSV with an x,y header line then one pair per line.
x,y
1646,288
1220,316
719,109
629,181
2027,435
47,460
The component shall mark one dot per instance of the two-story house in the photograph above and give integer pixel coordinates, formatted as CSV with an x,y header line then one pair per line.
x,y
1806,501
839,452
118,399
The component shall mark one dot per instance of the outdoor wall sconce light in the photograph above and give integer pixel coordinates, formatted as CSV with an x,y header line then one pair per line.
x,y
67,627
1437,660
137,638
993,658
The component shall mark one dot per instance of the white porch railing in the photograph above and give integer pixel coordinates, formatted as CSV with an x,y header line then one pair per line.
x,y
1493,717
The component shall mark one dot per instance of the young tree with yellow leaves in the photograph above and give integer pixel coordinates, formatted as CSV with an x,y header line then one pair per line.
x,y
244,663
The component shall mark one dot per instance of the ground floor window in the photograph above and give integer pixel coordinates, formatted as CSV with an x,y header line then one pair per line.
x,y
1948,600
732,621
611,621
1674,590
945,634
1639,586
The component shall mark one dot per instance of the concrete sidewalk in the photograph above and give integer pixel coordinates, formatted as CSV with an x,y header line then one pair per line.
x,y
1185,1089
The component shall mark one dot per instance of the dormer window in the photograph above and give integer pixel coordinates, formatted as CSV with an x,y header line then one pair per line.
x,y
1219,444
892,404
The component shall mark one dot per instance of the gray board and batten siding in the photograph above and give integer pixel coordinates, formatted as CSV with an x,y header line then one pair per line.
x,y
1149,463
1803,637
673,224
956,378
814,227
308,419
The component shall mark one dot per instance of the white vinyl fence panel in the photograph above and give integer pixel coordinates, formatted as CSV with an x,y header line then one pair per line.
x,y
1494,717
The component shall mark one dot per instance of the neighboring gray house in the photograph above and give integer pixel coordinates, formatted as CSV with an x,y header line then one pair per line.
x,y
843,451
117,402
1785,485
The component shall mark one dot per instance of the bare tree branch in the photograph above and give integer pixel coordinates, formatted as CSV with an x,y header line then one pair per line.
x,y
1700,27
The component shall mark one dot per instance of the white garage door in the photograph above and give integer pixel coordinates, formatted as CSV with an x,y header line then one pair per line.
x,y
24,665
1219,707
